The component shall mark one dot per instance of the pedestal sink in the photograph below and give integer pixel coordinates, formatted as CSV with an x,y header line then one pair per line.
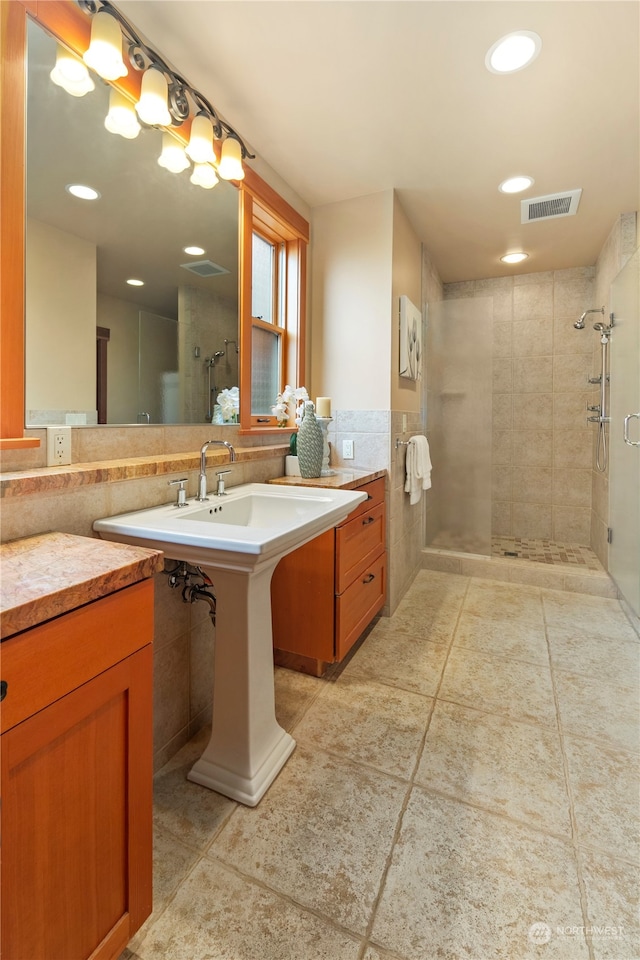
x,y
238,539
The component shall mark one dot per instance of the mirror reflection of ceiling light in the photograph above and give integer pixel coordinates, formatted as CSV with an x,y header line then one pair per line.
x,y
121,118
173,157
514,257
82,191
513,52
71,74
194,251
105,49
203,176
135,283
516,184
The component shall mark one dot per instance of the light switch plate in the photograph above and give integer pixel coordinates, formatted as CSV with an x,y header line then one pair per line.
x,y
347,449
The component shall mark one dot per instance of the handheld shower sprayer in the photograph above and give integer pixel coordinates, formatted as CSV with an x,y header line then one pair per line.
x,y
579,324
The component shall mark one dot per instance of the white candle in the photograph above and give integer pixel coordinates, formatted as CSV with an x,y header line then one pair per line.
x,y
323,406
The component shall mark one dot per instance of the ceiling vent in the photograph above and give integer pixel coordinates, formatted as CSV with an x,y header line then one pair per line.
x,y
204,268
549,207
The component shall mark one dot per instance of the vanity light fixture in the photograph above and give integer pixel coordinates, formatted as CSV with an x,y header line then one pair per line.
x,y
71,74
135,283
152,106
513,52
82,191
514,257
516,184
121,118
104,54
204,176
166,99
194,251
200,146
230,166
173,157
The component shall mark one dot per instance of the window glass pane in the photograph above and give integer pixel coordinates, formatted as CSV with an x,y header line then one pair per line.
x,y
262,279
265,371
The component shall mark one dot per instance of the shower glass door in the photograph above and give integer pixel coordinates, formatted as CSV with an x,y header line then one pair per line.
x,y
459,407
624,471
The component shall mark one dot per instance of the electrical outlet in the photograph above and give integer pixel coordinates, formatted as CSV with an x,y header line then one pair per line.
x,y
347,449
58,446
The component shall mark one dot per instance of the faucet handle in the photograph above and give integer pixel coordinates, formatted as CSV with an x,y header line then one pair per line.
x,y
182,493
221,474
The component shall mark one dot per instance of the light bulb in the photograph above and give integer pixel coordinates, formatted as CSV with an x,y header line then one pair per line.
x,y
152,106
200,146
513,52
105,50
203,176
71,74
230,166
515,184
121,118
514,257
173,157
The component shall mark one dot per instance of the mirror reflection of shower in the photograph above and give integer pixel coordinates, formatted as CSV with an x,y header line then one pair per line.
x,y
212,391
599,410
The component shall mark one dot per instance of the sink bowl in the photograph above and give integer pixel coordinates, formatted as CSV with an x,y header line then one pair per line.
x,y
238,539
249,524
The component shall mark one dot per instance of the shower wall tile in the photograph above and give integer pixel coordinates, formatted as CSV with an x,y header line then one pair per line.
x,y
572,524
571,488
532,375
502,411
571,373
523,279
600,494
532,484
532,300
532,411
502,339
456,291
575,273
570,409
501,446
566,339
501,482
501,519
533,338
532,448
569,297
572,448
502,376
532,520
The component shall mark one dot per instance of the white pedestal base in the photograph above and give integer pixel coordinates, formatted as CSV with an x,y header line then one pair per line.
x,y
248,747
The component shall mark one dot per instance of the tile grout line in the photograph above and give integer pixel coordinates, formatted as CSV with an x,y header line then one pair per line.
x,y
410,785
565,763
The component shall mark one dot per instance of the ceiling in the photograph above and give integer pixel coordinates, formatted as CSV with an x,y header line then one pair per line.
x,y
344,99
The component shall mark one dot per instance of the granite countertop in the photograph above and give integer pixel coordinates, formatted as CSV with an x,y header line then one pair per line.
x,y
52,573
342,480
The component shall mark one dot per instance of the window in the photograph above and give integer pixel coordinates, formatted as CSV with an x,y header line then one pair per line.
x,y
274,239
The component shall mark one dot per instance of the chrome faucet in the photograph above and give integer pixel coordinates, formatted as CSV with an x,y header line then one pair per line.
x,y
202,478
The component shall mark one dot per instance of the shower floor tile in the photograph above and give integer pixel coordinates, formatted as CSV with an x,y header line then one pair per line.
x,y
545,551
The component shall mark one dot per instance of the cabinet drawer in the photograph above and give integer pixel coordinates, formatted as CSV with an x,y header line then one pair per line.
x,y
46,662
375,496
358,604
358,542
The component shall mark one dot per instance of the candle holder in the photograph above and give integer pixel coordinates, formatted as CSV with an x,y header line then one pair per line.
x,y
325,471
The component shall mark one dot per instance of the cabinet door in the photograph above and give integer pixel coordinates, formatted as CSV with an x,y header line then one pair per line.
x,y
77,819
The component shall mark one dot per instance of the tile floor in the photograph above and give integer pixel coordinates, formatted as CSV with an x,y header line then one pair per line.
x,y
465,787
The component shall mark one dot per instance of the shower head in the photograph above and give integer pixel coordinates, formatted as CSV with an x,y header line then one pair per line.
x,y
579,324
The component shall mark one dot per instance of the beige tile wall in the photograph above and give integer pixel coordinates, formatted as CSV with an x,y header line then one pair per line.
x,y
541,443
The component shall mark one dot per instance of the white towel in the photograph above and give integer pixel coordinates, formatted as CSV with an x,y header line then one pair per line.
x,y
418,466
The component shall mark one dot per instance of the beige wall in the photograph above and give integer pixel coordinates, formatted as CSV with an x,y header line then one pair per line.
x,y
121,317
405,281
350,279
60,323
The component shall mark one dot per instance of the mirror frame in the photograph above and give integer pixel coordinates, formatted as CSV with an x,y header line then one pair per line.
x,y
64,20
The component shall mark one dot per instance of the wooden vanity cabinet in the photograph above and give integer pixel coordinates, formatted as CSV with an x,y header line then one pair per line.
x,y
77,751
326,592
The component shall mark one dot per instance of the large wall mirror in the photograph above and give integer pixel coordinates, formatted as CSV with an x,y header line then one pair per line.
x,y
97,348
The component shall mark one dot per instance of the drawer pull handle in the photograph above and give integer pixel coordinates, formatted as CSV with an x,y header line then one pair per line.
x,y
369,496
369,577
367,520
3,689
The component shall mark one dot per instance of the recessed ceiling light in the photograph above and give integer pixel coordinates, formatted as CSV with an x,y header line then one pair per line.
x,y
194,251
513,52
516,184
514,257
135,283
82,191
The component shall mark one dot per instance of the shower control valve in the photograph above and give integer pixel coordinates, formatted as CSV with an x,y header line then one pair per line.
x,y
595,408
